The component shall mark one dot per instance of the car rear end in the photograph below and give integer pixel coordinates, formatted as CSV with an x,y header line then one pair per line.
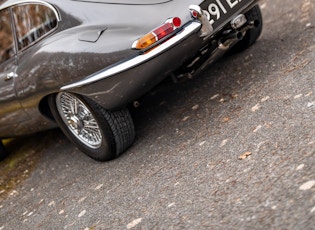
x,y
197,37
103,54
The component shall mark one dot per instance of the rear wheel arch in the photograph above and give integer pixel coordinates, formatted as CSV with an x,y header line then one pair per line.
x,y
44,108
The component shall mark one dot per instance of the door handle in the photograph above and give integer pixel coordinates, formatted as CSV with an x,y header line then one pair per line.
x,y
10,76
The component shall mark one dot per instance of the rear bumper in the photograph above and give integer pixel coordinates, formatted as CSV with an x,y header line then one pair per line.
x,y
124,82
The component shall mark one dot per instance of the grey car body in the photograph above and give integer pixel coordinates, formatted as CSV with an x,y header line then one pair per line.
x,y
84,49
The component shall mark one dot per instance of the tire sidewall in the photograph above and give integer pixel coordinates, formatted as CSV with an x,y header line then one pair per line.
x,y
107,150
252,34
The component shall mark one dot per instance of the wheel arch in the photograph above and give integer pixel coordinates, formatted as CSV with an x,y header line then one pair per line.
x,y
44,107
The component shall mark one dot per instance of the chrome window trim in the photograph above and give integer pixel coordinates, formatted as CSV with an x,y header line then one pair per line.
x,y
38,2
23,2
13,38
191,28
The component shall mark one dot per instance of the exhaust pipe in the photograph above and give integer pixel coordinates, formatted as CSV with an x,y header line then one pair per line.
x,y
250,25
237,34
240,23
229,39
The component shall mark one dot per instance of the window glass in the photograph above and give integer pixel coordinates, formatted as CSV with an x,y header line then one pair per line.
x,y
6,36
32,22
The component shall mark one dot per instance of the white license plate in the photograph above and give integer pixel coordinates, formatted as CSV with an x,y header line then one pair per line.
x,y
220,11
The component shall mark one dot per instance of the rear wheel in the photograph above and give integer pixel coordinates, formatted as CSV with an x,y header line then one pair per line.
x,y
99,133
3,152
252,34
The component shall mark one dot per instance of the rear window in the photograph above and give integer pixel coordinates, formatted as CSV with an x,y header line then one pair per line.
x,y
33,21
6,36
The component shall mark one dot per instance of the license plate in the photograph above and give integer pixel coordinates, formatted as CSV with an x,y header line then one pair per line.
x,y
220,11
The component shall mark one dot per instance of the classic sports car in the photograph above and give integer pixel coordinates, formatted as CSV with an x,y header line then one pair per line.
x,y
78,64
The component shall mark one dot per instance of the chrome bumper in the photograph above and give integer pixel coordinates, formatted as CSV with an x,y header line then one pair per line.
x,y
120,84
192,28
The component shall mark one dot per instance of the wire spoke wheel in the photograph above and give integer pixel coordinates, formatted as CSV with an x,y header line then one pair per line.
x,y
99,133
79,119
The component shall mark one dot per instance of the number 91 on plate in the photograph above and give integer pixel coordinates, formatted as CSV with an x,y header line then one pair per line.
x,y
218,8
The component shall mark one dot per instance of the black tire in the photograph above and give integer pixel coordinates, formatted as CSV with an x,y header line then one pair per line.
x,y
252,34
99,133
3,152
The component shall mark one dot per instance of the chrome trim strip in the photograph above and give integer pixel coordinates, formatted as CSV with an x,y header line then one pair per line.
x,y
193,27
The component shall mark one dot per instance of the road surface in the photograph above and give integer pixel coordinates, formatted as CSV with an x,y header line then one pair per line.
x,y
231,149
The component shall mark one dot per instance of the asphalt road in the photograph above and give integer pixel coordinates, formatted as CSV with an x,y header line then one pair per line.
x,y
231,149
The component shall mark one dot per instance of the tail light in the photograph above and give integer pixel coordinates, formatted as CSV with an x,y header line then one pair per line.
x,y
157,34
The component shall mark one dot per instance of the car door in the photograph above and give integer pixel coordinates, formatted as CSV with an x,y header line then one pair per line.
x,y
10,108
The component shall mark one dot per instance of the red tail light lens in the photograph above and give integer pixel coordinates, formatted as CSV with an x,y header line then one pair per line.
x,y
163,30
157,34
176,22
